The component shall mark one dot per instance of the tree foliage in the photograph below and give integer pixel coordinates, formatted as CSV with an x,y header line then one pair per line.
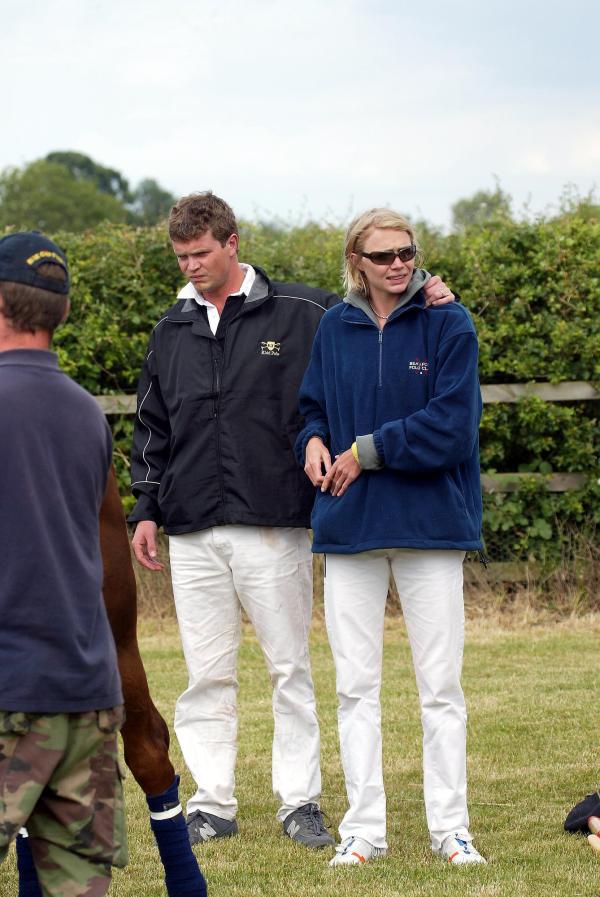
x,y
45,196
83,168
150,203
480,209
70,191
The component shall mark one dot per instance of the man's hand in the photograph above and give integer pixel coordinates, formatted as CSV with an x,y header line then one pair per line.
x,y
343,472
316,458
436,292
144,545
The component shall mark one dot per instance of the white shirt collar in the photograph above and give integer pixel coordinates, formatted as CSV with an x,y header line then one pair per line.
x,y
190,291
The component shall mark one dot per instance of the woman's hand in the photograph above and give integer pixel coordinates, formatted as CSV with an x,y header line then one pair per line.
x,y
344,470
436,292
316,457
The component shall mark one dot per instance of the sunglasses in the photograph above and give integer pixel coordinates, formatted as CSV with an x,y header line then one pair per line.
x,y
387,256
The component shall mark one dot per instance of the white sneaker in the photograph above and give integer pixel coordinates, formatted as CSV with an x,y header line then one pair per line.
x,y
458,849
355,851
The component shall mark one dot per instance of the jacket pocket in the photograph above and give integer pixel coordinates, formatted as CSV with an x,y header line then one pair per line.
x,y
456,490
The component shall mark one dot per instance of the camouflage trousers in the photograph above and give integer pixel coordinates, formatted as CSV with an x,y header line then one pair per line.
x,y
60,778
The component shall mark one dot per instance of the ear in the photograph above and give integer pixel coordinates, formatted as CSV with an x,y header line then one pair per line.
x,y
66,312
357,260
233,242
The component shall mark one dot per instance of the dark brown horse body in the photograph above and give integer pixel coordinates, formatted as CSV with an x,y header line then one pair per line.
x,y
145,733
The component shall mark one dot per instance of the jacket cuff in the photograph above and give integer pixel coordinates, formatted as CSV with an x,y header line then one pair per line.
x,y
369,457
145,509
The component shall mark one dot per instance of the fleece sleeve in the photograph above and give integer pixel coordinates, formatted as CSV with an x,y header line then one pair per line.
x,y
444,432
151,439
312,402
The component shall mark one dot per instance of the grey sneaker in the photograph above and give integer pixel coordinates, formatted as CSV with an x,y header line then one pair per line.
x,y
203,827
307,826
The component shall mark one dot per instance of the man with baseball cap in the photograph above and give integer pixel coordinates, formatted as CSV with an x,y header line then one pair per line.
x,y
60,692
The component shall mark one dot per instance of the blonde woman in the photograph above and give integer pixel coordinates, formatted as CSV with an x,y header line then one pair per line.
x,y
392,405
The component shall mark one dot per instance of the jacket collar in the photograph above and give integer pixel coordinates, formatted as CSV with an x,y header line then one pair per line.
x,y
261,288
353,314
411,298
187,309
189,291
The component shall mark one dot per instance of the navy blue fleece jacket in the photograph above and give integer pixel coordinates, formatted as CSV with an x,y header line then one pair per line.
x,y
414,387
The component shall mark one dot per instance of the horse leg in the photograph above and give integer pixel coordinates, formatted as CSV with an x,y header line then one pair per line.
x,y
145,733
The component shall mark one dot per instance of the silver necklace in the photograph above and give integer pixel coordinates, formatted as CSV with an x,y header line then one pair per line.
x,y
382,317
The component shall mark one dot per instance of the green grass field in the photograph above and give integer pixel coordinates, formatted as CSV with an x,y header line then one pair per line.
x,y
533,723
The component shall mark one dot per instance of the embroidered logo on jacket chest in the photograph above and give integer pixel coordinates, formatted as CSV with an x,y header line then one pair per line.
x,y
419,366
270,347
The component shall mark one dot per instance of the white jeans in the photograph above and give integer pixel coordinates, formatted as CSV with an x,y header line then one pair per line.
x,y
430,587
268,572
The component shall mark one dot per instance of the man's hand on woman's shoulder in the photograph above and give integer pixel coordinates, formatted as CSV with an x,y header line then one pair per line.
x,y
436,292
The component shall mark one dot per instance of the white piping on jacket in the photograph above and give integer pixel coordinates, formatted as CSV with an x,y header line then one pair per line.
x,y
144,424
301,298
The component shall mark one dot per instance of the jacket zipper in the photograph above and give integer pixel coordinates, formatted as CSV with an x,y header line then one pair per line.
x,y
371,324
216,418
217,387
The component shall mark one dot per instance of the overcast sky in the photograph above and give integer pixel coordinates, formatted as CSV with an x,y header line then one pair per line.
x,y
312,108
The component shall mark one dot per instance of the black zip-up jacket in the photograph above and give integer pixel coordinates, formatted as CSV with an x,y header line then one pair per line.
x,y
217,419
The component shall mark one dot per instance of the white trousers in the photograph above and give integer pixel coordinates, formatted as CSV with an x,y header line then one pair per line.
x,y
268,572
430,587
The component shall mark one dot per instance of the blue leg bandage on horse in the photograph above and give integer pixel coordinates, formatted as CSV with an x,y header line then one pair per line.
x,y
183,877
29,885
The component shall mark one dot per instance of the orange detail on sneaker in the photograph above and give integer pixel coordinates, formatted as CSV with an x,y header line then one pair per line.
x,y
458,849
355,851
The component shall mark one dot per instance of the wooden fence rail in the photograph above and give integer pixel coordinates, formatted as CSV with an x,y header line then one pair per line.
x,y
578,390
575,391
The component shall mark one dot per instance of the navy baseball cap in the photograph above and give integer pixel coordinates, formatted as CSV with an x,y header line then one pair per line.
x,y
21,255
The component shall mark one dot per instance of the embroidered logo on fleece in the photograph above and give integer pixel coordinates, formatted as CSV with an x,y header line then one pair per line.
x,y
270,347
419,366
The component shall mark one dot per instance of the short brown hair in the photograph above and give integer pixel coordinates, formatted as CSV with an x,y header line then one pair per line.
x,y
28,309
194,215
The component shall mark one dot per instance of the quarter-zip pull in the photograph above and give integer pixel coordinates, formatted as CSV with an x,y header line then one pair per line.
x,y
380,358
483,558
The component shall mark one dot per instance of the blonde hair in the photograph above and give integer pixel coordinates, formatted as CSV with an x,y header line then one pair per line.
x,y
356,237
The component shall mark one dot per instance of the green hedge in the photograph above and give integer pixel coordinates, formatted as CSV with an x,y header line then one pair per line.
x,y
533,290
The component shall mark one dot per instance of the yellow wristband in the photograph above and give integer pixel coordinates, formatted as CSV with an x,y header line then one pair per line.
x,y
354,450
